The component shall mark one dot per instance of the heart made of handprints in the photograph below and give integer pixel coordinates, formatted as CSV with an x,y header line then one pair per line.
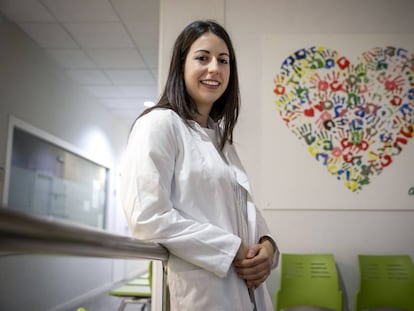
x,y
355,118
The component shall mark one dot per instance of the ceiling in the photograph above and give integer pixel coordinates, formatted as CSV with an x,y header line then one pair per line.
x,y
108,47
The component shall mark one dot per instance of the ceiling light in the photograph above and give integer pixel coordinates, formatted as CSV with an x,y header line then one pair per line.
x,y
149,104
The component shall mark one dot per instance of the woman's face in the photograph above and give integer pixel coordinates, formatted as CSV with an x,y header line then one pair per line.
x,y
207,70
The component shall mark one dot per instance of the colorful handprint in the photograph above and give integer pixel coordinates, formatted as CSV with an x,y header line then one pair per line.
x,y
355,118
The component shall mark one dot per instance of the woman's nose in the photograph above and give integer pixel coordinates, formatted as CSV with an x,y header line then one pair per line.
x,y
213,65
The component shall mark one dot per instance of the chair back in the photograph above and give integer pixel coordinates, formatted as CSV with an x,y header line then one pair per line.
x,y
385,281
136,291
308,280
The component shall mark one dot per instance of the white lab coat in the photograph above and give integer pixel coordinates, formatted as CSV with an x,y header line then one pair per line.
x,y
176,190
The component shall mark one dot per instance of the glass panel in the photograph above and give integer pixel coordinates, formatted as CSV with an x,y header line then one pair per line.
x,y
48,180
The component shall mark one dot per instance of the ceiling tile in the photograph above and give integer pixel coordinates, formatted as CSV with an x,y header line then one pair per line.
x,y
123,103
25,11
139,91
82,10
130,77
138,10
89,77
100,35
145,34
150,56
117,58
104,91
49,35
71,58
155,73
109,47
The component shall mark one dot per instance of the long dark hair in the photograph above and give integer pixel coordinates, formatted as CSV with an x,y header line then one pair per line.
x,y
225,110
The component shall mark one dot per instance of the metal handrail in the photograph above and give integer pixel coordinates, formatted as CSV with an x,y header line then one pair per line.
x,y
22,233
29,234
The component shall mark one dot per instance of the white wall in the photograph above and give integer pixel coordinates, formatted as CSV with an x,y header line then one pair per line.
x,y
345,233
35,90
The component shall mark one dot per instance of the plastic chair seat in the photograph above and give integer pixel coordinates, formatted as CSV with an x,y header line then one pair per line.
x,y
141,291
139,281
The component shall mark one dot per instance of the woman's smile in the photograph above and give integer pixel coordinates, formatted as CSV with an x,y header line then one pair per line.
x,y
212,84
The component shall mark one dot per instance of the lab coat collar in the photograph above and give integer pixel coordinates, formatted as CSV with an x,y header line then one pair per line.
x,y
241,176
210,124
228,152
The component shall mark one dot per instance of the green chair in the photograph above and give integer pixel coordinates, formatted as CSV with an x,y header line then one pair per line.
x,y
385,282
144,279
308,280
136,291
139,281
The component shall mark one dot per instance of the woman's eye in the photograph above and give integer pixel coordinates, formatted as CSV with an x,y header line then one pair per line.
x,y
204,58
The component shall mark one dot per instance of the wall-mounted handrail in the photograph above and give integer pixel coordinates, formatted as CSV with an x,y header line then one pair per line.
x,y
23,233
26,234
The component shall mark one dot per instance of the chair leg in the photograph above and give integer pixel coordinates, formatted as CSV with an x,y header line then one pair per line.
x,y
122,305
126,301
146,304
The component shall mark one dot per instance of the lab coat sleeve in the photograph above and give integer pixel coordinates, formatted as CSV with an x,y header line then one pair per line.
x,y
146,182
263,230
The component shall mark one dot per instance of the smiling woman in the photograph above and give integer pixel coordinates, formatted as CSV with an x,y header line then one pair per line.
x,y
183,185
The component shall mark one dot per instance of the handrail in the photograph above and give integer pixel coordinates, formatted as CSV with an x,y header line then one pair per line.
x,y
22,233
28,234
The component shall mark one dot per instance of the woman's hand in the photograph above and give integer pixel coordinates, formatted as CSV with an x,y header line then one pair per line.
x,y
241,253
256,266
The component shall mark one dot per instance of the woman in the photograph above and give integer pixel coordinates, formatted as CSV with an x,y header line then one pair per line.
x,y
183,185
